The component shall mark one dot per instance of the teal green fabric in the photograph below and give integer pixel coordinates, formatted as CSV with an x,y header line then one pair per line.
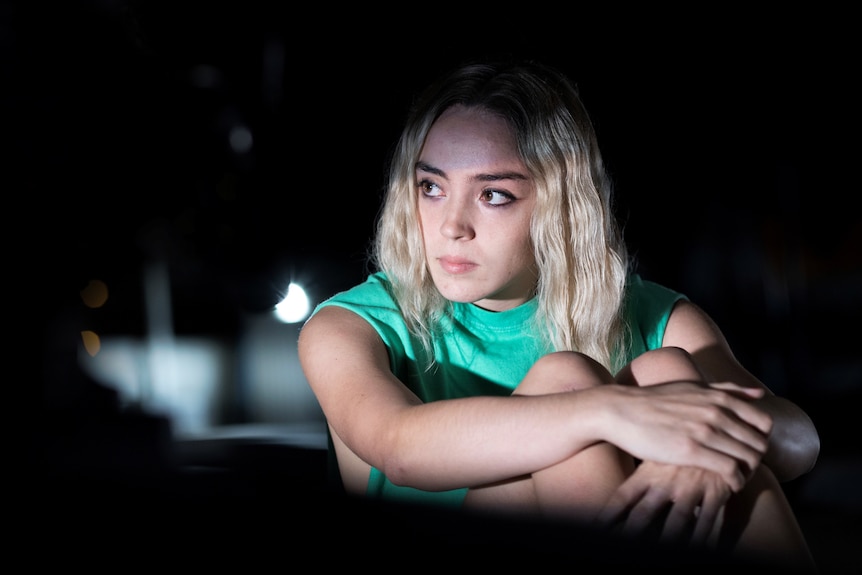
x,y
482,353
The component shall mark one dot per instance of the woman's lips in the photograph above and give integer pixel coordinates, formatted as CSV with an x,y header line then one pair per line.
x,y
455,265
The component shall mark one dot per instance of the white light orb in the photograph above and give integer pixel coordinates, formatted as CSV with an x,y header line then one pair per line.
x,y
295,306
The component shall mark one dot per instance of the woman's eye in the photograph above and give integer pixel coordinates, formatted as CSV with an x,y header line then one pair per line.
x,y
429,189
497,198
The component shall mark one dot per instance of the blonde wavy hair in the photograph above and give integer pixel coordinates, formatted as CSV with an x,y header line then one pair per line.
x,y
582,260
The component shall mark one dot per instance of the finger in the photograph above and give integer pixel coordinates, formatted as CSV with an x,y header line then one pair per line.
x,y
611,514
704,525
747,424
646,512
680,521
738,400
733,471
707,515
618,504
751,392
749,449
731,447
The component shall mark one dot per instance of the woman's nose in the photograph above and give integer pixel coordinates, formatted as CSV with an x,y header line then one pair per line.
x,y
457,222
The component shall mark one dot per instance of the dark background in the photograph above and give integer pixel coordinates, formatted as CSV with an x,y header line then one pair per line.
x,y
732,138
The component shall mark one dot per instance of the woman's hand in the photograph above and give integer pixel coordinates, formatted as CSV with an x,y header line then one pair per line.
x,y
680,504
716,427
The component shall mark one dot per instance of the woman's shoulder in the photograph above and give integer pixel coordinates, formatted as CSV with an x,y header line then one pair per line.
x,y
371,299
375,290
641,291
648,306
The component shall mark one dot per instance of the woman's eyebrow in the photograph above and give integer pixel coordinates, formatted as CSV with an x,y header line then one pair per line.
x,y
491,177
500,176
424,167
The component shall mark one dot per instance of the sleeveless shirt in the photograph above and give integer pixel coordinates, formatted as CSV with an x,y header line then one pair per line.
x,y
480,352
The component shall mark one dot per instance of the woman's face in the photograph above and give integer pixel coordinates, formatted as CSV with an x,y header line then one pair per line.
x,y
475,203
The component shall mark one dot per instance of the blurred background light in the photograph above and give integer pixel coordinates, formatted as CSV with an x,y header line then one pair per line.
x,y
95,294
295,306
240,139
92,343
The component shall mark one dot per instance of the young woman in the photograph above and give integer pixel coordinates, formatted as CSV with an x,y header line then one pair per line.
x,y
506,356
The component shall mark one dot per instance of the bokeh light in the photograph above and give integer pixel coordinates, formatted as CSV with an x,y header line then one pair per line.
x,y
95,294
295,306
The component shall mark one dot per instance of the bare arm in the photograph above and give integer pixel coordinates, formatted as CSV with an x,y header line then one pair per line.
x,y
438,445
794,443
433,446
479,440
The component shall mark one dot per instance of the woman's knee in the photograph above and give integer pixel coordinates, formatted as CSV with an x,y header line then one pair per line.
x,y
661,365
563,371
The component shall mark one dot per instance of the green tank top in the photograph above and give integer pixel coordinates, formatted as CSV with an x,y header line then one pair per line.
x,y
482,352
